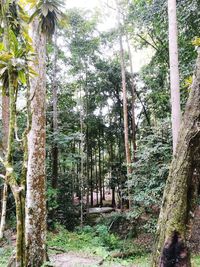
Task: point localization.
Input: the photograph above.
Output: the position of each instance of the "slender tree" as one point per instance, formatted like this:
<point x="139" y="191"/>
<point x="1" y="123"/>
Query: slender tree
<point x="55" y="116"/>
<point x="125" y="105"/>
<point x="5" y="131"/>
<point x="174" y="71"/>
<point x="133" y="95"/>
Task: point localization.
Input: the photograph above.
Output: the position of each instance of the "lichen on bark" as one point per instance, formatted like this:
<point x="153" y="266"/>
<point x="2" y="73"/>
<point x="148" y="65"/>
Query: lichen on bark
<point x="35" y="230"/>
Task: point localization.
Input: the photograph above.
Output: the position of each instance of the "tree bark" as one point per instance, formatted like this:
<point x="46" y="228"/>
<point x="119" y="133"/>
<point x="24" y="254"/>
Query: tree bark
<point x="132" y="100"/>
<point x="55" y="117"/>
<point x="91" y="179"/>
<point x="100" y="173"/>
<point x="36" y="177"/>
<point x="180" y="194"/>
<point x="5" y="131"/>
<point x="174" y="72"/>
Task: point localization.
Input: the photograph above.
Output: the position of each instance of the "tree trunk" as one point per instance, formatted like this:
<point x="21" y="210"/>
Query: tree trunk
<point x="125" y="113"/>
<point x="181" y="189"/>
<point x="174" y="72"/>
<point x="132" y="100"/>
<point x="5" y="131"/>
<point x="36" y="177"/>
<point x="87" y="169"/>
<point x="55" y="118"/>
<point x="3" y="210"/>
<point x="96" y="176"/>
<point x="100" y="174"/>
<point x="91" y="180"/>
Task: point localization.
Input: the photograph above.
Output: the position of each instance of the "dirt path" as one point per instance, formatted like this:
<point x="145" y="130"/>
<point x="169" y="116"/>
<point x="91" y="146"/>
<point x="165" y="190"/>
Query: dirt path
<point x="73" y="259"/>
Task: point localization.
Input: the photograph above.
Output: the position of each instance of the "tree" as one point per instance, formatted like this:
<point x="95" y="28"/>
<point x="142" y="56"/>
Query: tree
<point x="174" y="71"/>
<point x="5" y="132"/>
<point x="55" y="117"/>
<point x="125" y="105"/>
<point x="14" y="75"/>
<point x="43" y="25"/>
<point x="181" y="190"/>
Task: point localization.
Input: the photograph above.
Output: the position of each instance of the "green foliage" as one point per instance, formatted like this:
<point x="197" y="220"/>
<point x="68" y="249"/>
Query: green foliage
<point x="196" y="261"/>
<point x="48" y="13"/>
<point x="151" y="166"/>
<point x="95" y="241"/>
<point x="5" y="254"/>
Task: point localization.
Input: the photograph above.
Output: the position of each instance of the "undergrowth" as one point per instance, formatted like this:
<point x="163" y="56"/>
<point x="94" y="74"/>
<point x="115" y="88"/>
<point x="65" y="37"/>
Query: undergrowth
<point x="97" y="241"/>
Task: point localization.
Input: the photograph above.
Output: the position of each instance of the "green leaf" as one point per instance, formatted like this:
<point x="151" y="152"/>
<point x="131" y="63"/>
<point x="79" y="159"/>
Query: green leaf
<point x="1" y="47"/>
<point x="22" y="77"/>
<point x="44" y="10"/>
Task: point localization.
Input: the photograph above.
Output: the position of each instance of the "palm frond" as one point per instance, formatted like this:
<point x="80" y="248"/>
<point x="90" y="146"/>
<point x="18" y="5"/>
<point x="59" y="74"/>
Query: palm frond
<point x="48" y="12"/>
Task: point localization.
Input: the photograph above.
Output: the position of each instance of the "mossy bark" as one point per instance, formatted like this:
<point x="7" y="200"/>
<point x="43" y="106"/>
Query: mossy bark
<point x="180" y="194"/>
<point x="35" y="230"/>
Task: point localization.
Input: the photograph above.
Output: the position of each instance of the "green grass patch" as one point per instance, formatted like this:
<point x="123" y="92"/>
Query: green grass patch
<point x="196" y="261"/>
<point x="5" y="254"/>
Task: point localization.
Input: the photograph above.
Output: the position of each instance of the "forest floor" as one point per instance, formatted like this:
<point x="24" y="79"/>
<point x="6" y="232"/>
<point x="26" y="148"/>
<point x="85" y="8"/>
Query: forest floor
<point x="97" y="245"/>
<point x="79" y="249"/>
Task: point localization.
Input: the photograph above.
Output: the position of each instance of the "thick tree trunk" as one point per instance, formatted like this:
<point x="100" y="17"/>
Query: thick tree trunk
<point x="36" y="177"/>
<point x="174" y="72"/>
<point x="181" y="189"/>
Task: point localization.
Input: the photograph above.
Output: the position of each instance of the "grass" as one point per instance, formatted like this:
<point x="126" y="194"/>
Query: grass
<point x="5" y="254"/>
<point x="196" y="261"/>
<point x="97" y="242"/>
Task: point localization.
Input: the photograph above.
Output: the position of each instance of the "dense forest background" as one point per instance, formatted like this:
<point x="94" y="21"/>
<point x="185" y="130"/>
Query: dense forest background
<point x="108" y="121"/>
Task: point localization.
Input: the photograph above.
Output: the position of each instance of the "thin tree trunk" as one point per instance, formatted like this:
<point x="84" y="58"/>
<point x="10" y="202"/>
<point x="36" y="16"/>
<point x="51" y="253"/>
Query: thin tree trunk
<point x="103" y="180"/>
<point x="87" y="169"/>
<point x="55" y="117"/>
<point x="3" y="210"/>
<point x="91" y="180"/>
<point x="96" y="173"/>
<point x="181" y="189"/>
<point x="36" y="176"/>
<point x="82" y="159"/>
<point x="133" y="100"/>
<point x="5" y="130"/>
<point x="100" y="174"/>
<point x="112" y="182"/>
<point x="125" y="110"/>
<point x="174" y="72"/>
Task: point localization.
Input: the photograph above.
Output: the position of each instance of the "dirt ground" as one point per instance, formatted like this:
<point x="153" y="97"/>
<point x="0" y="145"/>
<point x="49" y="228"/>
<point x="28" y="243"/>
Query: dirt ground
<point x="72" y="259"/>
